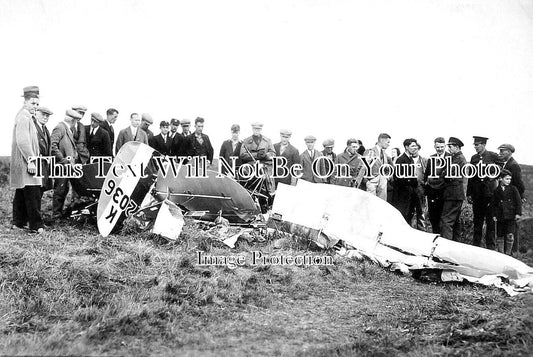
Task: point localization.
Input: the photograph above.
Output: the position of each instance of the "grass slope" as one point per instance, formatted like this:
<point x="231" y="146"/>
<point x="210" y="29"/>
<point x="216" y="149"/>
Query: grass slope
<point x="71" y="292"/>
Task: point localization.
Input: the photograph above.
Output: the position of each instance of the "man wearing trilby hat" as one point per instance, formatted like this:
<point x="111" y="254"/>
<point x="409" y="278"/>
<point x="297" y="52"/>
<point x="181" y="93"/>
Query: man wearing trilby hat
<point x="24" y="148"/>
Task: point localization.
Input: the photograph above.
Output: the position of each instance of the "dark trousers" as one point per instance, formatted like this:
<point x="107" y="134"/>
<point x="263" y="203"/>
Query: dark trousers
<point x="450" y="225"/>
<point x="27" y="207"/>
<point x="435" y="204"/>
<point x="420" y="209"/>
<point x="61" y="187"/>
<point x="483" y="214"/>
<point x="505" y="227"/>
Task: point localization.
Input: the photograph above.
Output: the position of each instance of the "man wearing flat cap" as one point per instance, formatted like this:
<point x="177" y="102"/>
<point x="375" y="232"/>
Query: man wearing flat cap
<point x="350" y="157"/>
<point x="453" y="193"/>
<point x="98" y="140"/>
<point x="174" y="125"/>
<point x="328" y="145"/>
<point x="78" y="133"/>
<point x="479" y="192"/>
<point x="63" y="148"/>
<point x="231" y="147"/>
<point x="290" y="153"/>
<point x="307" y="158"/>
<point x="131" y="133"/>
<point x="509" y="163"/>
<point x="162" y="141"/>
<point x="41" y="118"/>
<point x="177" y="146"/>
<point x="377" y="184"/>
<point x="24" y="148"/>
<point x="146" y="121"/>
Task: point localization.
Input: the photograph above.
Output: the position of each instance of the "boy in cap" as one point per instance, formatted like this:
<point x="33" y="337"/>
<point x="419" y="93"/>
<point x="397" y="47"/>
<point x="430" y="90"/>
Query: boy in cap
<point x="24" y="147"/>
<point x="479" y="192"/>
<point x="98" y="140"/>
<point x="307" y="158"/>
<point x="506" y="210"/>
<point x="453" y="193"/>
<point x="231" y="147"/>
<point x="289" y="152"/>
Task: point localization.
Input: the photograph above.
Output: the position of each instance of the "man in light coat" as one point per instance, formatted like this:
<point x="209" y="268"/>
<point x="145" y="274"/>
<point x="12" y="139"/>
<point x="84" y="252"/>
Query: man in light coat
<point x="132" y="133"/>
<point x="307" y="158"/>
<point x="24" y="149"/>
<point x="377" y="183"/>
<point x="63" y="148"/>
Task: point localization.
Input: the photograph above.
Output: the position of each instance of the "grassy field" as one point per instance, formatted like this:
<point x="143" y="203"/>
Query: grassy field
<point x="71" y="292"/>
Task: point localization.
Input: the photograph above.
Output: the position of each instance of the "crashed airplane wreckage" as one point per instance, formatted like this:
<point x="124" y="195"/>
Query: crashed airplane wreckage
<point x="363" y="225"/>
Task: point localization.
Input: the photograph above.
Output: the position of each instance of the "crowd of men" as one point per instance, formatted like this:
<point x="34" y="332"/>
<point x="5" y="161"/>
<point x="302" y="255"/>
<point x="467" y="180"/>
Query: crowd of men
<point x="439" y="196"/>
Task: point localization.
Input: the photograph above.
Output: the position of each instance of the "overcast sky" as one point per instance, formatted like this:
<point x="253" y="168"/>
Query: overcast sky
<point x="340" y="69"/>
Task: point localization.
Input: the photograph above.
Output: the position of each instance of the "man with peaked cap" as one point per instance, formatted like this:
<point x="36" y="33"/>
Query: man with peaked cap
<point x="24" y="148"/>
<point x="328" y="145"/>
<point x="98" y="141"/>
<point x="78" y="132"/>
<point x="434" y="186"/>
<point x="453" y="192"/>
<point x="377" y="184"/>
<point x="307" y="158"/>
<point x="185" y="127"/>
<point x="479" y="192"/>
<point x="132" y="133"/>
<point x="63" y="148"/>
<point x="162" y="141"/>
<point x="146" y="121"/>
<point x="350" y="157"/>
<point x="174" y="125"/>
<point x="41" y="118"/>
<point x="259" y="148"/>
<point x="107" y="125"/>
<point x="289" y="152"/>
<point x="509" y="163"/>
<point x="231" y="147"/>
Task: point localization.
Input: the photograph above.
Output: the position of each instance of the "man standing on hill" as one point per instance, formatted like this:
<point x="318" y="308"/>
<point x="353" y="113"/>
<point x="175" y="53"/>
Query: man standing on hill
<point x="63" y="148"/>
<point x="479" y="192"/>
<point x="24" y="150"/>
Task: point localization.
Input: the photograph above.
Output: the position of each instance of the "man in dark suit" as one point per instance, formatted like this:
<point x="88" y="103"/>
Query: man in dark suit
<point x="231" y="147"/>
<point x="434" y="186"/>
<point x="98" y="141"/>
<point x="405" y="198"/>
<point x="107" y="125"/>
<point x="162" y="141"/>
<point x="131" y="133"/>
<point x="198" y="144"/>
<point x="509" y="163"/>
<point x="176" y="147"/>
<point x="453" y="193"/>
<point x="41" y="118"/>
<point x="286" y="150"/>
<point x="479" y="192"/>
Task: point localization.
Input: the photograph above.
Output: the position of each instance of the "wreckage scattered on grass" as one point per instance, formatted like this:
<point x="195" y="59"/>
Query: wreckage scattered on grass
<point x="370" y="227"/>
<point x="363" y="225"/>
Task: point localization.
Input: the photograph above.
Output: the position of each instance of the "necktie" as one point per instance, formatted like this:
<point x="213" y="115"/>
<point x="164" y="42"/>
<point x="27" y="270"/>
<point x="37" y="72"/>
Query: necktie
<point x="382" y="157"/>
